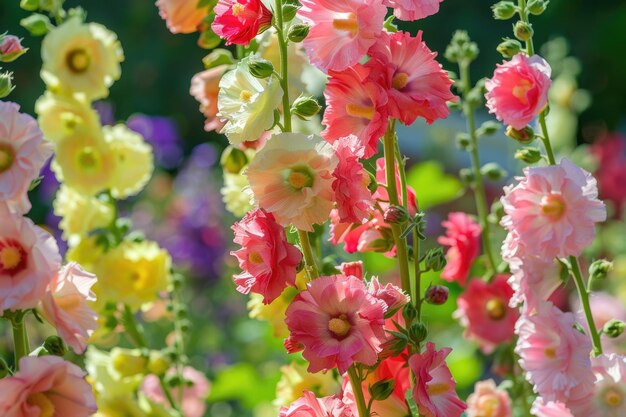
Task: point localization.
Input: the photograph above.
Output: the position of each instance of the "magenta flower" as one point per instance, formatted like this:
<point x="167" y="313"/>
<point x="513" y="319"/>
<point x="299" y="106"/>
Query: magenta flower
<point x="518" y="90"/>
<point x="413" y="9"/>
<point x="463" y="237"/>
<point x="239" y="21"/>
<point x="338" y="322"/>
<point x="268" y="261"/>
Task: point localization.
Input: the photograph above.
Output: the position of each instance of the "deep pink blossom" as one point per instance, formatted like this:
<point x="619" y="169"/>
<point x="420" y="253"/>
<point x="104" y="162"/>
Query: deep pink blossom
<point x="390" y="294"/>
<point x="610" y="151"/>
<point x="413" y="9"/>
<point x="239" y="21"/>
<point x="463" y="238"/>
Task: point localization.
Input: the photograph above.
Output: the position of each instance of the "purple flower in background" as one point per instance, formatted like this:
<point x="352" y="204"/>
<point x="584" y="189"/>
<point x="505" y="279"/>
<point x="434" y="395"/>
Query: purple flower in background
<point x="106" y="112"/>
<point x="162" y="133"/>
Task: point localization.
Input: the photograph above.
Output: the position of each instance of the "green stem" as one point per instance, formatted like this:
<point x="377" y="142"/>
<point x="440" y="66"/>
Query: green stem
<point x="530" y="48"/>
<point x="309" y="259"/>
<point x="402" y="169"/>
<point x="546" y="138"/>
<point x="20" y="337"/>
<point x="284" y="68"/>
<point x="479" y="187"/>
<point x="392" y="191"/>
<point x="357" y="388"/>
<point x="133" y="329"/>
<point x="416" y="296"/>
<point x="584" y="299"/>
<point x="168" y="393"/>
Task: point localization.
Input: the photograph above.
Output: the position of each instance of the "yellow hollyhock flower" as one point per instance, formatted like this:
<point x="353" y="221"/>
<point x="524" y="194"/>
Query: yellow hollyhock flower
<point x="295" y="379"/>
<point x="81" y="58"/>
<point x="80" y="213"/>
<point x="236" y="194"/>
<point x="60" y="115"/>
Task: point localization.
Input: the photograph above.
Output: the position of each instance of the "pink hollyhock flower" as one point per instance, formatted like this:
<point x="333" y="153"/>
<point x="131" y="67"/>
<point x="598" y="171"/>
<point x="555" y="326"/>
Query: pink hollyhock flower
<point x="390" y="294"/>
<point x="485" y="313"/>
<point x="268" y="261"/>
<point x="291" y="177"/>
<point x="610" y="151"/>
<point x="554" y="354"/>
<point x="341" y="31"/>
<point x="413" y="9"/>
<point x="337" y="322"/>
<point x="310" y="406"/>
<point x="239" y="21"/>
<point x="518" y="91"/>
<point x="10" y="48"/>
<point x="489" y="401"/>
<point x="463" y="237"/>
<point x="553" y="210"/>
<point x="416" y="83"/>
<point x="355" y="105"/>
<point x="533" y="282"/>
<point x="23" y="152"/>
<point x="541" y="408"/>
<point x="435" y="388"/>
<point x="354" y="199"/>
<point x="195" y="391"/>
<point x="29" y="259"/>
<point x="381" y="193"/>
<point x="204" y="87"/>
<point x="46" y="386"/>
<point x="181" y="16"/>
<point x="65" y="306"/>
<point x="354" y="269"/>
<point x="372" y="236"/>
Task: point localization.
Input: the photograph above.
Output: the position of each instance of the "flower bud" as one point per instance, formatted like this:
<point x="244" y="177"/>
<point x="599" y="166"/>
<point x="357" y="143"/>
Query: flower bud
<point x="218" y="57"/>
<point x="467" y="176"/>
<point x="508" y="48"/>
<point x="297" y="33"/>
<point x="158" y="363"/>
<point x="437" y="294"/>
<point x="128" y="362"/>
<point x="418" y="332"/>
<point x="55" y="346"/>
<point x="289" y="12"/>
<point x="208" y="39"/>
<point x="524" y="136"/>
<point x="614" y="328"/>
<point x="37" y="24"/>
<point x="463" y="141"/>
<point x="504" y="10"/>
<point x="528" y="154"/>
<point x="381" y="390"/>
<point x="488" y="128"/>
<point x="29" y="5"/>
<point x="233" y="160"/>
<point x="260" y="67"/>
<point x="497" y="212"/>
<point x="6" y="84"/>
<point x="11" y="48"/>
<point x="493" y="171"/>
<point x="395" y="215"/>
<point x="409" y="312"/>
<point x="435" y="259"/>
<point x="537" y="7"/>
<point x="599" y="269"/>
<point x="305" y="107"/>
<point x="523" y="31"/>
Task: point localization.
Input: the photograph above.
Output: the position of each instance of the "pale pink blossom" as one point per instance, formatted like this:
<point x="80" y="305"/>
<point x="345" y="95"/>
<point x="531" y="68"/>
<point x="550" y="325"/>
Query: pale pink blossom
<point x="29" y="259"/>
<point x="413" y="9"/>
<point x="553" y="210"/>
<point x="65" y="306"/>
<point x="435" y="388"/>
<point x="554" y="354"/>
<point x="416" y="83"/>
<point x="351" y="180"/>
<point x="239" y="21"/>
<point x="518" y="90"/>
<point x="485" y="313"/>
<point x="533" y="281"/>
<point x="181" y="16"/>
<point x="23" y="152"/>
<point x="195" y="391"/>
<point x="463" y="238"/>
<point x="310" y="406"/>
<point x="204" y="88"/>
<point x="487" y="400"/>
<point x="337" y="322"/>
<point x="341" y="31"/>
<point x="291" y="177"/>
<point x="46" y="386"/>
<point x="268" y="261"/>
<point x="390" y="294"/>
<point x="541" y="408"/>
<point x="355" y="105"/>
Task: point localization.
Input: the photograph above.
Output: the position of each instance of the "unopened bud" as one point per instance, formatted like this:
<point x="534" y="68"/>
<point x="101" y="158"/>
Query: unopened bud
<point x="418" y="332"/>
<point x="128" y="362"/>
<point x="435" y="259"/>
<point x="537" y="7"/>
<point x="218" y="57"/>
<point x="305" y="107"/>
<point x="54" y="345"/>
<point x="29" y="5"/>
<point x="289" y="12"/>
<point x="260" y="67"/>
<point x="528" y="154"/>
<point x="523" y="136"/>
<point x="6" y="83"/>
<point x="297" y="33"/>
<point x="208" y="39"/>
<point x="11" y="48"/>
<point x="381" y="390"/>
<point x="409" y="312"/>
<point x="158" y="363"/>
<point x="504" y="10"/>
<point x="233" y="160"/>
<point x="614" y="328"/>
<point x="493" y="171"/>
<point x="508" y="48"/>
<point x="523" y="31"/>
<point x="467" y="176"/>
<point x="463" y="141"/>
<point x="437" y="294"/>
<point x="497" y="212"/>
<point x="395" y="215"/>
<point x="37" y="24"/>
<point x="488" y="128"/>
<point x="599" y="269"/>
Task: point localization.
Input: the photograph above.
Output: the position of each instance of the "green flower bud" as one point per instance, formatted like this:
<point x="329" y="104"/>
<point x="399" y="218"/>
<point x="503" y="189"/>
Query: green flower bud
<point x="158" y="363"/>
<point x="289" y="12"/>
<point x="488" y="128"/>
<point x="599" y="269"/>
<point x="524" y="136"/>
<point x="463" y="141"/>
<point x="523" y="31"/>
<point x="233" y="160"/>
<point x="54" y="345"/>
<point x="537" y="7"/>
<point x="435" y="259"/>
<point x="128" y="362"/>
<point x="297" y="33"/>
<point x="305" y="107"/>
<point x="381" y="390"/>
<point x="493" y="171"/>
<point x="409" y="313"/>
<point x="30" y="5"/>
<point x="528" y="154"/>
<point x="209" y="40"/>
<point x="395" y="215"/>
<point x="260" y="67"/>
<point x="218" y="57"/>
<point x="37" y="24"/>
<point x="467" y="176"/>
<point x="497" y="212"/>
<point x="6" y="84"/>
<point x="614" y="328"/>
<point x="508" y="48"/>
<point x="504" y="10"/>
<point x="418" y="332"/>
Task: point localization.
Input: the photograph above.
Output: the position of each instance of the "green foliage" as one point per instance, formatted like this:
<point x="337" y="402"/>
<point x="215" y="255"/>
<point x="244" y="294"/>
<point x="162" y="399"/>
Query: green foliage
<point x="432" y="185"/>
<point x="243" y="382"/>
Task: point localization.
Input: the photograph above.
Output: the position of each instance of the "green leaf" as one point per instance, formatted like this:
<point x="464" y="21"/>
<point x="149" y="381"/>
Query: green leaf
<point x="242" y="382"/>
<point x="432" y="185"/>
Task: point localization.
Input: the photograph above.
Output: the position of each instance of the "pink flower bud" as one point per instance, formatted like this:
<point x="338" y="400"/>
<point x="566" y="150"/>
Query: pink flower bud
<point x="437" y="294"/>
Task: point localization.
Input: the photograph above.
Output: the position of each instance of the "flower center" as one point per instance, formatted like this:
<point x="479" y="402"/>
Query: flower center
<point x="13" y="257"/>
<point x="255" y="258"/>
<point x="400" y="80"/>
<point x="358" y="110"/>
<point x="496" y="310"/>
<point x="613" y="398"/>
<point x="238" y="9"/>
<point x="299" y="178"/>
<point x="44" y="404"/>
<point x="245" y="96"/>
<point x="140" y="278"/>
<point x="550" y="352"/>
<point x="520" y="91"/>
<point x="77" y="60"/>
<point x="347" y="23"/>
<point x="88" y="158"/>
<point x="488" y="407"/>
<point x="340" y="326"/>
<point x="553" y="206"/>
<point x="437" y="388"/>
<point x="7" y="156"/>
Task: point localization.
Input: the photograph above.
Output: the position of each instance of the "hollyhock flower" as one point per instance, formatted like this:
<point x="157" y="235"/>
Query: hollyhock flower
<point x="65" y="306"/>
<point x="463" y="237"/>
<point x="81" y="58"/>
<point x="381" y="193"/>
<point x="416" y="83"/>
<point x="435" y="388"/>
<point x="485" y="313"/>
<point x="295" y="380"/>
<point x="413" y="9"/>
<point x="610" y="151"/>
<point x="11" y="48"/>
<point x="337" y="322"/>
<point x="80" y="214"/>
<point x="541" y="408"/>
<point x="195" y="391"/>
<point x="352" y="268"/>
<point x="605" y="307"/>
<point x="518" y="90"/>
<point x="247" y="104"/>
<point x="341" y="32"/>
<point x="181" y="16"/>
<point x="355" y="105"/>
<point x="351" y="180"/>
<point x="236" y="194"/>
<point x="554" y="354"/>
<point x="29" y="258"/>
<point x="311" y="406"/>
<point x="239" y="21"/>
<point x="533" y="281"/>
<point x="489" y="401"/>
<point x="46" y="386"/>
<point x="553" y="210"/>
<point x="372" y="236"/>
<point x="291" y="177"/>
<point x="268" y="261"/>
<point x="23" y="153"/>
<point x="390" y="294"/>
<point x="59" y="115"/>
<point x="205" y="87"/>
